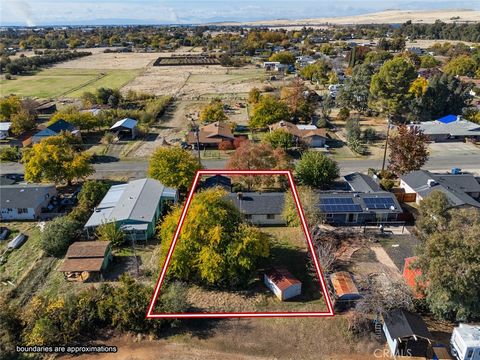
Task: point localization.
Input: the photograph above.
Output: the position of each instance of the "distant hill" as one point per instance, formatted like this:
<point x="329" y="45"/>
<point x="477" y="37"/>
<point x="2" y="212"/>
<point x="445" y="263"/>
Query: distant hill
<point x="383" y="17"/>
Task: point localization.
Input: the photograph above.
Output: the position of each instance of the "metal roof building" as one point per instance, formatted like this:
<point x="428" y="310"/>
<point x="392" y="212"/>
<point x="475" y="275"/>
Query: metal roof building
<point x="136" y="206"/>
<point x="127" y="124"/>
<point x="361" y="183"/>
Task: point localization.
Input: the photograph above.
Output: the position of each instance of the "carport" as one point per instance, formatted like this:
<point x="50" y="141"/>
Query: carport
<point x="126" y="125"/>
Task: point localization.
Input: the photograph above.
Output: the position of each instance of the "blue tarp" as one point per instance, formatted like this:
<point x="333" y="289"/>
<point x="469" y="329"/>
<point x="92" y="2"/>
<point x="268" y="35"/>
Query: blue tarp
<point x="448" y="119"/>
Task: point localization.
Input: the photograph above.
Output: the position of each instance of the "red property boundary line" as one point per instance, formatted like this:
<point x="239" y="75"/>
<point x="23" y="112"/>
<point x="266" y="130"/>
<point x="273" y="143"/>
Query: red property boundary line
<point x="151" y="313"/>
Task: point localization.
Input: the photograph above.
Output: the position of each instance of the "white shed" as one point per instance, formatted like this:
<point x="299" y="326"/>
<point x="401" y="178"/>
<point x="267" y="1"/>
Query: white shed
<point x="282" y="283"/>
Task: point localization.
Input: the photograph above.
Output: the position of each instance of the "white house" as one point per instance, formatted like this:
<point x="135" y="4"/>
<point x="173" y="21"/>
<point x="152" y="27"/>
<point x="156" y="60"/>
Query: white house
<point x="25" y="201"/>
<point x="465" y="342"/>
<point x="282" y="283"/>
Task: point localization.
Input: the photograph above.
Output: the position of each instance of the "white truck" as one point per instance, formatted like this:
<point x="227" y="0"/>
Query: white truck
<point x="465" y="342"/>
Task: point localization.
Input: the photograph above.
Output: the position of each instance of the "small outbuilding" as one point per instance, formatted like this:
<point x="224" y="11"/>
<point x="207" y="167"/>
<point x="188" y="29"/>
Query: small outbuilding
<point x="86" y="260"/>
<point x="126" y="125"/>
<point x="407" y="334"/>
<point x="282" y="283"/>
<point x="345" y="290"/>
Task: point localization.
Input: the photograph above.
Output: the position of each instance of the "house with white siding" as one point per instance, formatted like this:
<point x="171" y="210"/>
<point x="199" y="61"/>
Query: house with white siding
<point x="25" y="201"/>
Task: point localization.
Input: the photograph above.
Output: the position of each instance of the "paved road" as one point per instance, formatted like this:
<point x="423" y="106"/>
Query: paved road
<point x="439" y="161"/>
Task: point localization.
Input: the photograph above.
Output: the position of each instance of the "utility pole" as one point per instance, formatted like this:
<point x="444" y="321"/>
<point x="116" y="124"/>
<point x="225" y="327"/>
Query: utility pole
<point x="196" y="130"/>
<point x="386" y="143"/>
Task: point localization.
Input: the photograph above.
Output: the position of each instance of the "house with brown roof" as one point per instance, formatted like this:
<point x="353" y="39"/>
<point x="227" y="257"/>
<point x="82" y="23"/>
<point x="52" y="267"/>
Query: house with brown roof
<point x="211" y="135"/>
<point x="282" y="283"/>
<point x="86" y="260"/>
<point x="308" y="134"/>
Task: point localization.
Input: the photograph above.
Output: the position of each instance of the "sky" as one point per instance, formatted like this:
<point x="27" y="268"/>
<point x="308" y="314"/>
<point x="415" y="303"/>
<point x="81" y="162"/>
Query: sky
<point x="77" y="12"/>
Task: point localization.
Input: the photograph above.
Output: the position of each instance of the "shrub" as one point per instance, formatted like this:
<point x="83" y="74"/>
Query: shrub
<point x="112" y="233"/>
<point x="10" y="153"/>
<point x="226" y="145"/>
<point x="343" y="114"/>
<point x="58" y="235"/>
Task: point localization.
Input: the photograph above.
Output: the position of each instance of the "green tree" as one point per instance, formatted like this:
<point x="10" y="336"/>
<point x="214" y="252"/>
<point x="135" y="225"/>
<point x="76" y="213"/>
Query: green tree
<point x="389" y="88"/>
<point x="428" y="62"/>
<point x="54" y="159"/>
<point x="284" y="57"/>
<point x="213" y="112"/>
<point x="83" y="120"/>
<point x="58" y="234"/>
<point x="22" y="121"/>
<point x="279" y="138"/>
<point x="92" y="193"/>
<point x="355" y="94"/>
<point x="444" y="94"/>
<point x="309" y="202"/>
<point x="9" y="106"/>
<point x="433" y="213"/>
<point x="10" y="153"/>
<point x="316" y="72"/>
<point x="215" y="247"/>
<point x="462" y="65"/>
<point x="316" y="170"/>
<point x="112" y="233"/>
<point x="254" y="96"/>
<point x="268" y="111"/>
<point x="173" y="167"/>
<point x="408" y="150"/>
<point x="449" y="262"/>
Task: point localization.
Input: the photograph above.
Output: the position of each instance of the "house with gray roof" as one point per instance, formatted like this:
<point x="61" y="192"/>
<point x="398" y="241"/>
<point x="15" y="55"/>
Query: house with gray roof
<point x="359" y="208"/>
<point x="25" y="201"/>
<point x="361" y="183"/>
<point x="450" y="128"/>
<point x="135" y="206"/>
<point x="462" y="190"/>
<point x="260" y="208"/>
<point x="56" y="129"/>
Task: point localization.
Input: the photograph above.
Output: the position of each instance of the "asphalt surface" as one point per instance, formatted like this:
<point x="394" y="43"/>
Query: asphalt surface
<point x="439" y="161"/>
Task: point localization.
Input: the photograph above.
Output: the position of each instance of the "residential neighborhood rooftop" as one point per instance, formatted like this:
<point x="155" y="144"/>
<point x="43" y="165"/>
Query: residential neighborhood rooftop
<point x="257" y="203"/>
<point x="361" y="183"/>
<point x="136" y="200"/>
<point x="457" y="187"/>
<point x="23" y="195"/>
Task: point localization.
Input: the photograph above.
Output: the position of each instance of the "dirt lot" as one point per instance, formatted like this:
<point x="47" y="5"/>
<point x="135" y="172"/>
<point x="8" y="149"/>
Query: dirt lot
<point x="192" y="82"/>
<point x="300" y="338"/>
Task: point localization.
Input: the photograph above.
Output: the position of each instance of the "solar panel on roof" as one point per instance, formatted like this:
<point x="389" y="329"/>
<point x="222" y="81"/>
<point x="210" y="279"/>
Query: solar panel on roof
<point x="379" y="203"/>
<point x="340" y="208"/>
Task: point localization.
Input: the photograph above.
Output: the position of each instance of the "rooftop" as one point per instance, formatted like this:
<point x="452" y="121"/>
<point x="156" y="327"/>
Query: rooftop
<point x="300" y="131"/>
<point x="456" y="186"/>
<point x="470" y="334"/>
<point x="343" y="284"/>
<point x="213" y="133"/>
<point x="449" y="126"/>
<point x="24" y="195"/>
<point x="126" y="123"/>
<point x="361" y="183"/>
<point x="138" y="200"/>
<point x="404" y="324"/>
<point x="87" y="249"/>
<point x="348" y="202"/>
<point x="282" y="278"/>
<point x="258" y="203"/>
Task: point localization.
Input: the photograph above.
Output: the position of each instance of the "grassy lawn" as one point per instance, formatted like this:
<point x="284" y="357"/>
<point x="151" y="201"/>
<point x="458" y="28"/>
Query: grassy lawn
<point x="69" y="82"/>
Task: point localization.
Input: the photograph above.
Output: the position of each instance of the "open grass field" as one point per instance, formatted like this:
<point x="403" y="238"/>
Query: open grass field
<point x="58" y="82"/>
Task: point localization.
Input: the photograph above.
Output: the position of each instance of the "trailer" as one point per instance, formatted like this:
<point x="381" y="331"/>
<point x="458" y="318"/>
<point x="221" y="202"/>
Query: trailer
<point x="17" y="242"/>
<point x="465" y="342"/>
